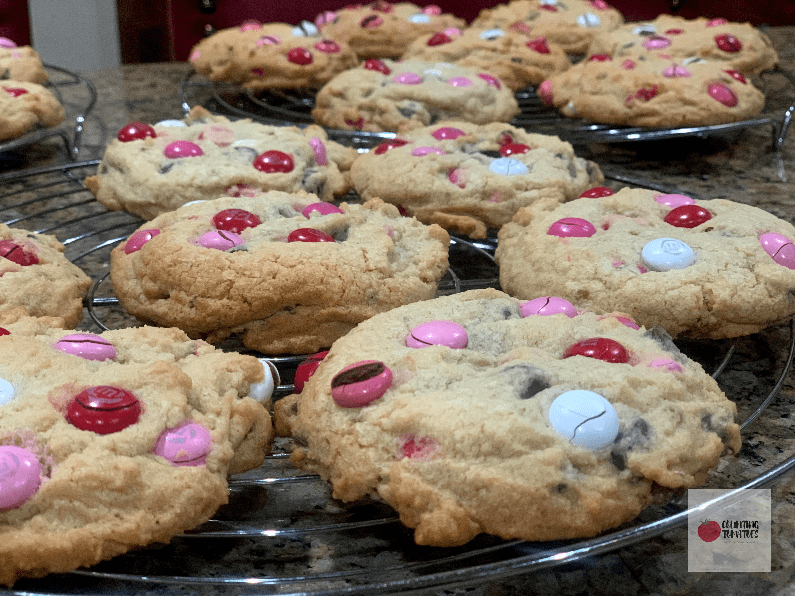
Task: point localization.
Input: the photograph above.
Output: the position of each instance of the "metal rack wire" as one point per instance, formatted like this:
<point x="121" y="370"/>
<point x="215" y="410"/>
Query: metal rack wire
<point x="281" y="533"/>
<point x="78" y="96"/>
<point x="292" y="107"/>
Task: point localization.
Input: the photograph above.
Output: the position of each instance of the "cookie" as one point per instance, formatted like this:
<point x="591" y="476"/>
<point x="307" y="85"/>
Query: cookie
<point x="20" y="63"/>
<point x="469" y="413"/>
<point x="26" y="106"/>
<point x="150" y="170"/>
<point x="109" y="442"/>
<point x="653" y="90"/>
<point x="288" y="273"/>
<point x="569" y="23"/>
<point x="737" y="46"/>
<point x="468" y="177"/>
<point x="383" y="29"/>
<point x="37" y="280"/>
<point x="705" y="269"/>
<point x="382" y="95"/>
<point x="517" y="59"/>
<point x="271" y="56"/>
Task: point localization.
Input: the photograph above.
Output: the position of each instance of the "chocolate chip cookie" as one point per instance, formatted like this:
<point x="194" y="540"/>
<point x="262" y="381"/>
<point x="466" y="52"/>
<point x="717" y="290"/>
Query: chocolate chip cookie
<point x="148" y="170"/>
<point x="700" y="268"/>
<point x="109" y="442"/>
<point x="287" y="272"/>
<point x="475" y="413"/>
<point x="468" y="177"/>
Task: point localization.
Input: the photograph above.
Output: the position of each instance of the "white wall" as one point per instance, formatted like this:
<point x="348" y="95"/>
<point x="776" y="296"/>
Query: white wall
<point x="76" y="34"/>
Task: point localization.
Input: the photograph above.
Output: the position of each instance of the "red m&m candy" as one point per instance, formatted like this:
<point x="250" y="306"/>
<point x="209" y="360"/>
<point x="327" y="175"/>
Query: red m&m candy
<point x="104" y="409"/>
<point x="600" y="348"/>
<point x="687" y="216"/>
<point x="387" y="145"/>
<point x="235" y="220"/>
<point x="596" y="192"/>
<point x="377" y="65"/>
<point x="306" y="369"/>
<point x="14" y="252"/>
<point x="308" y="235"/>
<point x="274" y="161"/>
<point x="135" y="131"/>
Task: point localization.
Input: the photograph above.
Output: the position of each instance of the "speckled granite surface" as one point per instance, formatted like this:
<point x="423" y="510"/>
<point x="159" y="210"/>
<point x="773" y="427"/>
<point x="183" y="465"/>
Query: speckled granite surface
<point x="745" y="167"/>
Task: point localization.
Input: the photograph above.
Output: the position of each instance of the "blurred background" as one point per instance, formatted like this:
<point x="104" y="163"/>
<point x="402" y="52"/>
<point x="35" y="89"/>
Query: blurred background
<point x="88" y="34"/>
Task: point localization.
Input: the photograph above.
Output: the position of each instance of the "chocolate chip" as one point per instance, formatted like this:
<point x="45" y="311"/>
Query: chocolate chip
<point x="340" y="235"/>
<point x="491" y="153"/>
<point x="244" y="154"/>
<point x="507" y="313"/>
<point x="572" y="170"/>
<point x="357" y="374"/>
<point x="527" y="380"/>
<point x="166" y="168"/>
<point x="619" y="459"/>
<point x="560" y="488"/>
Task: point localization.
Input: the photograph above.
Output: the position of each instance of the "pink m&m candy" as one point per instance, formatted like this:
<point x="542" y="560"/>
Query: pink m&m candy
<point x="667" y="364"/>
<point x="235" y="220"/>
<point x="780" y="248"/>
<point x="17" y="254"/>
<point x="596" y="192"/>
<point x="221" y="136"/>
<point x="274" y="161"/>
<point x="438" y="333"/>
<point x="250" y="25"/>
<point x="321" y="207"/>
<point x="319" y="148"/>
<point x="546" y="306"/>
<point x="308" y="235"/>
<point x="371" y="22"/>
<point x="572" y="227"/>
<point x="186" y="445"/>
<point x="723" y="94"/>
<point x="135" y="131"/>
<point x="600" y="348"/>
<point x="103" y="409"/>
<point x="459" y="82"/>
<point x="179" y="149"/>
<point x="687" y="216"/>
<point x="545" y="92"/>
<point x="656" y="42"/>
<point x="20" y="476"/>
<point x="422" y="151"/>
<point x="408" y="78"/>
<point x="675" y="70"/>
<point x="327" y="46"/>
<point x="447" y="132"/>
<point x="138" y="239"/>
<point x="627" y="322"/>
<point x="86" y="345"/>
<point x="360" y="383"/>
<point x="219" y="240"/>
<point x="7" y="43"/>
<point x="306" y="369"/>
<point x="673" y="200"/>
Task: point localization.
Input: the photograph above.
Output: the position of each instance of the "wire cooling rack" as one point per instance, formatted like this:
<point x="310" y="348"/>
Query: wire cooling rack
<point x="281" y="533"/>
<point x="78" y="96"/>
<point x="295" y="107"/>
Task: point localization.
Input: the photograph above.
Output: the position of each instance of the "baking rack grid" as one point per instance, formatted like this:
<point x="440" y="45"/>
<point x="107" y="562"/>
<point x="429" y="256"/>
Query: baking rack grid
<point x="281" y="532"/>
<point x="285" y="106"/>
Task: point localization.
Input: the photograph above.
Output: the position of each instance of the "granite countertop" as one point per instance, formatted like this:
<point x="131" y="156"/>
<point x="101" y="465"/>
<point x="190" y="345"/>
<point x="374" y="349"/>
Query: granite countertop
<point x="744" y="166"/>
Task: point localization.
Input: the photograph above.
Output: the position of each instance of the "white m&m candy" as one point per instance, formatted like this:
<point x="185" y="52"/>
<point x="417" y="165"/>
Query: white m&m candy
<point x="585" y="418"/>
<point x="665" y="254"/>
<point x="263" y="390"/>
